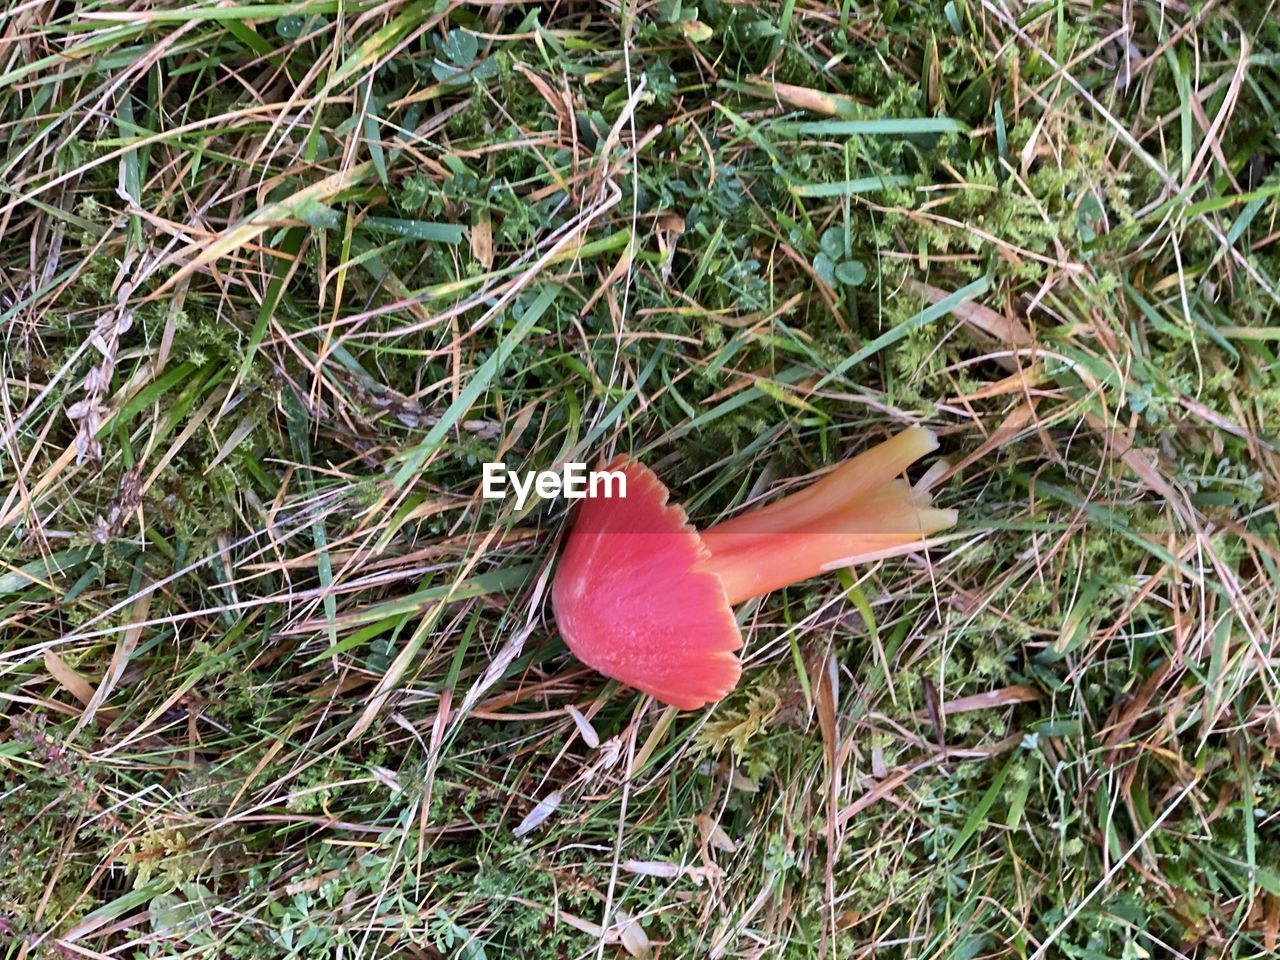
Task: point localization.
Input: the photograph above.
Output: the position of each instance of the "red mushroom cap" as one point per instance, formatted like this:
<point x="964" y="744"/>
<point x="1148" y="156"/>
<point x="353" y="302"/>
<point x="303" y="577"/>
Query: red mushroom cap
<point x="630" y="605"/>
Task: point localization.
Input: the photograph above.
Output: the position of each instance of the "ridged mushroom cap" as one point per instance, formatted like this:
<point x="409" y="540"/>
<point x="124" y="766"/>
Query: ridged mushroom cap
<point x="630" y="605"/>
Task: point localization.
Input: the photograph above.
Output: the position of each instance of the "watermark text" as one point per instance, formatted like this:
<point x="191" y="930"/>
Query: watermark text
<point x="572" y="482"/>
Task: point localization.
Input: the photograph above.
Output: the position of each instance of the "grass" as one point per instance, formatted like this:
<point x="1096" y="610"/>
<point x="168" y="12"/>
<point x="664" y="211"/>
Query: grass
<point x="278" y="278"/>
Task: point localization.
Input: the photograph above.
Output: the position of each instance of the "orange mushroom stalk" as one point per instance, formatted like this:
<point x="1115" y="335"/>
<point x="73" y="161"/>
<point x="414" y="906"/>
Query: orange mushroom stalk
<point x="644" y="598"/>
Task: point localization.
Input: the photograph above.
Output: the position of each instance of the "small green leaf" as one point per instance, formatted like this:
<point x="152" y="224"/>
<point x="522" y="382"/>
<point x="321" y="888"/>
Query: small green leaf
<point x="290" y="27"/>
<point x="461" y="47"/>
<point x="319" y="215"/>
<point x="825" y="268"/>
<point x="457" y="52"/>
<point x="851" y="272"/>
<point x="696" y="30"/>
<point x="953" y="18"/>
<point x="1056" y="727"/>
<point x="832" y="243"/>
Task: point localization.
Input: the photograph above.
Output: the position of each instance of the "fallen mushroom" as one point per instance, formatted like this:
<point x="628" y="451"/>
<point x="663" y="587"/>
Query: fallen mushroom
<point x="643" y="598"/>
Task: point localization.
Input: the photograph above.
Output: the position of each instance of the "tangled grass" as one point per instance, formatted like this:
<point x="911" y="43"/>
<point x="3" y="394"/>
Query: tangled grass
<point x="277" y="279"/>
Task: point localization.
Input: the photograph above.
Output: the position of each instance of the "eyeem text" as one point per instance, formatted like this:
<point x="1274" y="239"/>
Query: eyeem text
<point x="573" y="482"/>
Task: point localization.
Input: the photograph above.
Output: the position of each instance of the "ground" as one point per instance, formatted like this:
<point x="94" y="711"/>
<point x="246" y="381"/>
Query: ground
<point x="276" y="280"/>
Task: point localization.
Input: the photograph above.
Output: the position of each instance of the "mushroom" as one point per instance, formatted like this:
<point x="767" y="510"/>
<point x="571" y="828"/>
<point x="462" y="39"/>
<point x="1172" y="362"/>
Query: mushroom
<point x="641" y="596"/>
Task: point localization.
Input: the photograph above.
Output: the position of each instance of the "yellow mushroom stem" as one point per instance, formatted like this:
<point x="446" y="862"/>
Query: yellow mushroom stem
<point x="863" y="510"/>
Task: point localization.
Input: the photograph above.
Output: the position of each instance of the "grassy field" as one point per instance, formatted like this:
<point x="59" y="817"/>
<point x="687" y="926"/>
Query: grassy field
<point x="276" y="279"/>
